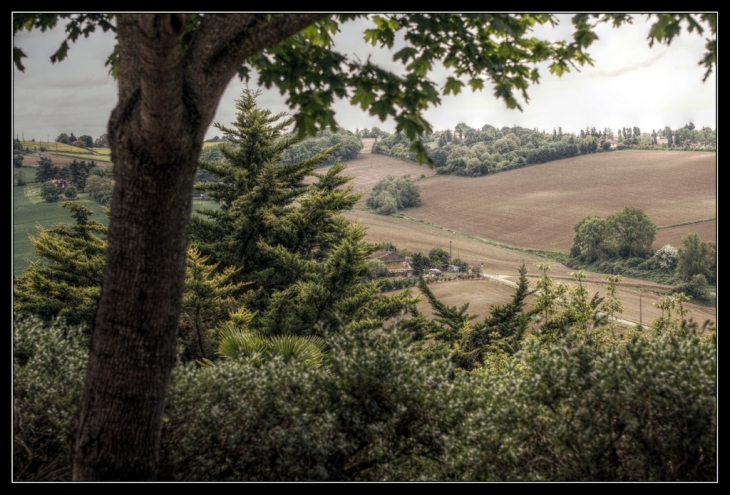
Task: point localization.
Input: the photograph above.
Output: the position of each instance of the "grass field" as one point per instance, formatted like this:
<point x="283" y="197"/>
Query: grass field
<point x="538" y="206"/>
<point x="29" y="210"/>
<point x="54" y="146"/>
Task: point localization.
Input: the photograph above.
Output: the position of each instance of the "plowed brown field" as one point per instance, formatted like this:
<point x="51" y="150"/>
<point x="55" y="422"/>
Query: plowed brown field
<point x="706" y="230"/>
<point x="368" y="169"/>
<point x="538" y="206"/>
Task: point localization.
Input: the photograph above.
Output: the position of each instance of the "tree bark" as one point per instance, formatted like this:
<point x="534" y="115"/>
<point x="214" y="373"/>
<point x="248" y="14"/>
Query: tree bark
<point x="167" y="99"/>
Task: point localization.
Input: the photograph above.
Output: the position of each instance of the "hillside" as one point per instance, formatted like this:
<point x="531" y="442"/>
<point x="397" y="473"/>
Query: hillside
<point x="537" y="207"/>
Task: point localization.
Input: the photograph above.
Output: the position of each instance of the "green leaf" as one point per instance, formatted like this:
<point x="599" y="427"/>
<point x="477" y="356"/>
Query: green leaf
<point x="363" y="97"/>
<point x="453" y="86"/>
<point x="404" y="54"/>
<point x="61" y="53"/>
<point x="18" y="56"/>
<point x="476" y="84"/>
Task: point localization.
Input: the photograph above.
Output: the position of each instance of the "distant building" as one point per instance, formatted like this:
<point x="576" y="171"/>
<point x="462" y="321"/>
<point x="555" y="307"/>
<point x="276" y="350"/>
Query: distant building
<point x="397" y="264"/>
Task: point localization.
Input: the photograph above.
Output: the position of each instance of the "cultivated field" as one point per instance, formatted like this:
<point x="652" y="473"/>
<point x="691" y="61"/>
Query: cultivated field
<point x="538" y="206"/>
<point x="481" y="294"/>
<point x="706" y="230"/>
<point x="368" y="169"/>
<point x="65" y="159"/>
<point x="534" y="197"/>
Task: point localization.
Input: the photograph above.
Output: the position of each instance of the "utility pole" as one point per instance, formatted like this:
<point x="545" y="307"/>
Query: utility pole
<point x="641" y="321"/>
<point x="449" y="252"/>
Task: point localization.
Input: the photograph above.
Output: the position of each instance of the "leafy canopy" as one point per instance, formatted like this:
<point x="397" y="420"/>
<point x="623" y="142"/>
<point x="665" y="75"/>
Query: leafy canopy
<point x="478" y="48"/>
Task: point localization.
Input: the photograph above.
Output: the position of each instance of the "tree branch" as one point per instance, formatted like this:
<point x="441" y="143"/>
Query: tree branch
<point x="223" y="42"/>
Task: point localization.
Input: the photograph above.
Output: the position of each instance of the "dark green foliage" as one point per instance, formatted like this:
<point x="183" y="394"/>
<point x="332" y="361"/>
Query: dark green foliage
<point x="19" y="177"/>
<point x="438" y="258"/>
<point x="449" y="320"/>
<point x="696" y="288"/>
<point x="394" y="193"/>
<point x="17" y="161"/>
<point x="372" y="412"/>
<point x="634" y="233"/>
<point x="506" y="324"/>
<point x="305" y="263"/>
<point x="642" y="408"/>
<point x="70" y="192"/>
<point x="346" y="147"/>
<point x="79" y="171"/>
<point x="46" y="170"/>
<point x="628" y="234"/>
<point x="467" y="343"/>
<point x="49" y="363"/>
<point x="88" y="140"/>
<point x="420" y="263"/>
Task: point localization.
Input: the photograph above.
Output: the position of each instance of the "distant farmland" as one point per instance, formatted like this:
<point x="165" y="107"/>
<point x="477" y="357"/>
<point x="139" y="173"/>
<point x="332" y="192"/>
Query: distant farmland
<point x="367" y="169"/>
<point x="538" y="206"/>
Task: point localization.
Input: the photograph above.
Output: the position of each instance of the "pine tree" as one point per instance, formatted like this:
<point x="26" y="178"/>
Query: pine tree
<point x="305" y="263"/>
<point x="208" y="300"/>
<point x="66" y="281"/>
<point x="510" y="321"/>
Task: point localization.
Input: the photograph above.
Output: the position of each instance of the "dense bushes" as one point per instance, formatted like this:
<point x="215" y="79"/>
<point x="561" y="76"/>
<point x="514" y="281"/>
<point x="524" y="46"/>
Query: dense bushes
<point x="348" y="144"/>
<point x="394" y="193"/>
<point x="474" y="152"/>
<point x="582" y="407"/>
<point x="49" y="365"/>
<point x="628" y="234"/>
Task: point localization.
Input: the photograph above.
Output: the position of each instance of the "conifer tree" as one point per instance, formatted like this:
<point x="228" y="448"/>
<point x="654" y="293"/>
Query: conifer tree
<point x="66" y="280"/>
<point x="305" y="263"/>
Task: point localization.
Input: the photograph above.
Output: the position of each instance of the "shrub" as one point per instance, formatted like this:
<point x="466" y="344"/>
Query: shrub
<point x="50" y="192"/>
<point x="394" y="193"/>
<point x="49" y="363"/>
<point x="19" y="178"/>
<point x="70" y="192"/>
<point x="373" y="412"/>
<point x="640" y="408"/>
<point x="696" y="257"/>
<point x="695" y="288"/>
<point x="666" y="257"/>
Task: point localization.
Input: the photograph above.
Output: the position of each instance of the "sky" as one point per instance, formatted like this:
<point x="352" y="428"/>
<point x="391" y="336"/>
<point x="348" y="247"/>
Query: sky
<point x="629" y="85"/>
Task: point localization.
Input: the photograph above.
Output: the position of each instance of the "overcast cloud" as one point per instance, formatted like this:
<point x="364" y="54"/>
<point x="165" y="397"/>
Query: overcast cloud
<point x="630" y="85"/>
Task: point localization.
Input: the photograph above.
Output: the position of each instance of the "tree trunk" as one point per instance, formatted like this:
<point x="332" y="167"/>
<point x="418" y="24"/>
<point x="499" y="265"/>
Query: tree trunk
<point x="155" y="137"/>
<point x="167" y="100"/>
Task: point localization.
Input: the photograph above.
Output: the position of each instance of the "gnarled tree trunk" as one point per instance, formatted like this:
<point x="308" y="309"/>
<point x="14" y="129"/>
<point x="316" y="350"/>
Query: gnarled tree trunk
<point x="167" y="99"/>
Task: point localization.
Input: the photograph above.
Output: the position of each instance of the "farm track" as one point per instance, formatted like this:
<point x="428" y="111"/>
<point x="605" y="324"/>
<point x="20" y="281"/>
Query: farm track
<point x="501" y="258"/>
